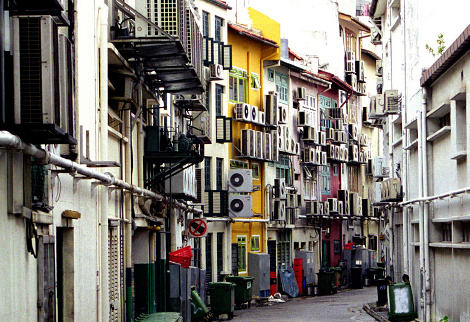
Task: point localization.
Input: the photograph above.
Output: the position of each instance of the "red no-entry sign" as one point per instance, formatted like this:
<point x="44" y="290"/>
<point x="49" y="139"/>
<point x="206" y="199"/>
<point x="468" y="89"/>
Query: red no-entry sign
<point x="197" y="227"/>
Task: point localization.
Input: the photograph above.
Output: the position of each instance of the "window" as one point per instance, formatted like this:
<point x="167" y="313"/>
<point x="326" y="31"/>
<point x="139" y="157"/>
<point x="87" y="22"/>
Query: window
<point x="241" y="241"/>
<point x="326" y="184"/>
<point x="219" y="22"/>
<point x="283" y="168"/>
<point x="466" y="232"/>
<point x="282" y="87"/>
<point x="207" y="173"/>
<point x="237" y="86"/>
<point x="255" y="83"/>
<point x="325" y="102"/>
<point x="335" y="170"/>
<point x="255" y="170"/>
<point x="219" y="172"/>
<point x="208" y="96"/>
<point x="447" y="232"/>
<point x="351" y="41"/>
<point x="270" y="75"/>
<point x="255" y="243"/>
<point x="220" y="255"/>
<point x="219" y="90"/>
<point x="197" y="253"/>
<point x="205" y="24"/>
<point x="283" y="248"/>
<point x="209" y="258"/>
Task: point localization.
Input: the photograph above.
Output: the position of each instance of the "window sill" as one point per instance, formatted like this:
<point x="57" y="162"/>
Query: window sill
<point x="438" y="134"/>
<point x="450" y="245"/>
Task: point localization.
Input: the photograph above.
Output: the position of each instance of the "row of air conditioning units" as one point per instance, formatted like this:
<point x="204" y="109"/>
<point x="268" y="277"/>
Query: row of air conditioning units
<point x="364" y="139"/>
<point x="315" y="156"/>
<point x="286" y="142"/>
<point x="384" y="104"/>
<point x="259" y="145"/>
<point x="338" y="153"/>
<point x="240" y="183"/>
<point x="311" y="135"/>
<point x="249" y="113"/>
<point x="377" y="167"/>
<point x="280" y="196"/>
<point x="353" y="206"/>
<point x="354" y="66"/>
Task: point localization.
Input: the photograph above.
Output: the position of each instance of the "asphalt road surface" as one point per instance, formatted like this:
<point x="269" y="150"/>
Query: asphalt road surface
<point x="346" y="305"/>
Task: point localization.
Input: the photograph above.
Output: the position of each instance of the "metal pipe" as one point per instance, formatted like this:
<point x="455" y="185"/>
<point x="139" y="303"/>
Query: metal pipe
<point x="8" y="140"/>
<point x="103" y="139"/>
<point x="427" y="279"/>
<point x="250" y="220"/>
<point x="420" y="209"/>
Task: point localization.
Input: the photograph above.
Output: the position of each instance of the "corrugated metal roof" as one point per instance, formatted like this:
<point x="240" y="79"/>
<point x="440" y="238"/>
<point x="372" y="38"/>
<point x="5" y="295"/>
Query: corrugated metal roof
<point x="458" y="48"/>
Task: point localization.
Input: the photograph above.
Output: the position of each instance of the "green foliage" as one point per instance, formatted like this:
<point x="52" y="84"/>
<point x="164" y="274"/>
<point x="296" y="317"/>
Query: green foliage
<point x="445" y="319"/>
<point x="440" y="46"/>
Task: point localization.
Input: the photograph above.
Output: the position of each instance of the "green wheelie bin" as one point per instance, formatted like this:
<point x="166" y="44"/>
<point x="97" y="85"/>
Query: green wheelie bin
<point x="199" y="311"/>
<point x="222" y="296"/>
<point x="243" y="290"/>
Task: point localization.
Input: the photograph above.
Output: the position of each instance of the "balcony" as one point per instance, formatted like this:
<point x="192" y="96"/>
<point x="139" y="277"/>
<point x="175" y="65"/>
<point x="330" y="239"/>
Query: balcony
<point x="167" y="153"/>
<point x="166" y="46"/>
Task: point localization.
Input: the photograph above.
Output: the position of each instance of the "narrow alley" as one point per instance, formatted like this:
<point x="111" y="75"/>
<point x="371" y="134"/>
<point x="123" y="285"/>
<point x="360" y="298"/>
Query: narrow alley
<point x="346" y="305"/>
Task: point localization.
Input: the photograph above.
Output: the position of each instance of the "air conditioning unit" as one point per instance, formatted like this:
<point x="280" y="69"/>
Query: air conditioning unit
<point x="332" y="204"/>
<point x="379" y="169"/>
<point x="240" y="206"/>
<point x="338" y="125"/>
<point x="297" y="148"/>
<point x="352" y="80"/>
<point x="384" y="190"/>
<point x="337" y="152"/>
<point x="350" y="55"/>
<point x="345" y="157"/>
<point x="378" y="68"/>
<point x="275" y="146"/>
<point x="318" y="157"/>
<point x="254" y="114"/>
<point x="343" y="195"/>
<point x="394" y="189"/>
<point x="301" y="93"/>
<point x="341" y="136"/>
<point x="340" y="207"/>
<point x="188" y="97"/>
<point x="242" y="112"/>
<point x="380" y="106"/>
<point x="279" y="213"/>
<point x="37" y="79"/>
<point x="291" y="200"/>
<point x="283" y="114"/>
<point x="261" y="118"/>
<point x="322" y="136"/>
<point x="353" y="132"/>
<point x="365" y="207"/>
<point x="360" y="70"/>
<point x="350" y="66"/>
<point x="271" y="108"/>
<point x="331" y="152"/>
<point x="268" y="146"/>
<point x="326" y="208"/>
<point x="392" y="102"/>
<point x="353" y="153"/>
<point x="362" y="88"/>
<point x="290" y="145"/>
<point x="305" y="118"/>
<point x="240" y="180"/>
<point x="248" y="143"/>
<point x="259" y="145"/>
<point x="280" y="191"/>
<point x="380" y="84"/>
<point x="310" y="134"/>
<point x="309" y="155"/>
<point x="183" y="184"/>
<point x="281" y="139"/>
<point x="361" y="157"/>
<point x="355" y="203"/>
<point x="330" y="134"/>
<point x="323" y="158"/>
<point x="216" y="72"/>
<point x="375" y="192"/>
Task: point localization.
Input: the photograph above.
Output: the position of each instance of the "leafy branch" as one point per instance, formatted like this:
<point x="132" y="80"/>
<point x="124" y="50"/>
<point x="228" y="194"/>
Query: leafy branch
<point x="440" y="46"/>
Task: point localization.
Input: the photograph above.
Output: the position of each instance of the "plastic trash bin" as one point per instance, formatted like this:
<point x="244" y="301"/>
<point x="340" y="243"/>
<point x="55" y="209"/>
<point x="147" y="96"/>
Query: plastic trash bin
<point x="400" y="303"/>
<point x="335" y="278"/>
<point x="222" y="296"/>
<point x="199" y="311"/>
<point x="356" y="277"/>
<point x="243" y="289"/>
<point x="381" y="291"/>
<point x="325" y="281"/>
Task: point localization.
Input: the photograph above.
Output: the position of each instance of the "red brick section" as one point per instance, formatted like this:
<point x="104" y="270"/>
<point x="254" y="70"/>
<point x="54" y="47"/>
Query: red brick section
<point x="455" y="51"/>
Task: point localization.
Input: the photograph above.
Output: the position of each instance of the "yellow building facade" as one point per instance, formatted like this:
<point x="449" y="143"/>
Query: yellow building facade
<point x="251" y="46"/>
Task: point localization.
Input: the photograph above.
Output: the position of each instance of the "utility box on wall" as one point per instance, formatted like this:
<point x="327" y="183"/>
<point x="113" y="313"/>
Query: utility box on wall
<point x="258" y="268"/>
<point x="308" y="260"/>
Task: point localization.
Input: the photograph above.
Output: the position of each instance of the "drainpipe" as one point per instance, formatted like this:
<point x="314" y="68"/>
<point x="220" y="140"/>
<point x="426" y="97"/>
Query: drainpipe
<point x="427" y="281"/>
<point x="103" y="101"/>
<point x="420" y="208"/>
<point x="128" y="215"/>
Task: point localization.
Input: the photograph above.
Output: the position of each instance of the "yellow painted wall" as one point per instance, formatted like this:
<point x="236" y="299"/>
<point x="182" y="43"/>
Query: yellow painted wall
<point x="270" y="29"/>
